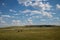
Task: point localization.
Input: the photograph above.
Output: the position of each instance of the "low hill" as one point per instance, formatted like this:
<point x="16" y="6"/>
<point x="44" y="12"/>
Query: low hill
<point x="31" y="26"/>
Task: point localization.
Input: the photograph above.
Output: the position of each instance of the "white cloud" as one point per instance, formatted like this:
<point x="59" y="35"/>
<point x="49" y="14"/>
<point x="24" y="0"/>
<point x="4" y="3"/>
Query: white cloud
<point x="3" y="3"/>
<point x="3" y="22"/>
<point x="36" y="12"/>
<point x="11" y="10"/>
<point x="26" y="11"/>
<point x="1" y="18"/>
<point x="30" y="21"/>
<point x="0" y="12"/>
<point x="16" y="22"/>
<point x="44" y="13"/>
<point x="6" y="16"/>
<point x="37" y="3"/>
<point x="47" y="14"/>
<point x="22" y="1"/>
<point x="58" y="6"/>
<point x="46" y="6"/>
<point x="33" y="12"/>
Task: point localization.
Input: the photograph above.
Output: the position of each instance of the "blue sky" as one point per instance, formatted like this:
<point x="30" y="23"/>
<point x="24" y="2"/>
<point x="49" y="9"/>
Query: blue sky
<point x="29" y="12"/>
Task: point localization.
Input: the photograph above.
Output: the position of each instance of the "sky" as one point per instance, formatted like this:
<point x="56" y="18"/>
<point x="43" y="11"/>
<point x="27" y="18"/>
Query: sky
<point x="29" y="12"/>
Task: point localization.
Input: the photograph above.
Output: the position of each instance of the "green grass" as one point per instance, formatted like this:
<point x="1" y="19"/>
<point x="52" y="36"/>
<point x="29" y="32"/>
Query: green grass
<point x="35" y="33"/>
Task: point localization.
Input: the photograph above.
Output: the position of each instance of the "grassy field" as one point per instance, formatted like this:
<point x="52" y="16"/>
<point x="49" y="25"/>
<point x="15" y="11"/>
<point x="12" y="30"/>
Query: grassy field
<point x="34" y="33"/>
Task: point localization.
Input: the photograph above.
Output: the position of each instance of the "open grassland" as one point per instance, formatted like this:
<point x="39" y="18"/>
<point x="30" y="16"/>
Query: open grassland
<point x="34" y="33"/>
